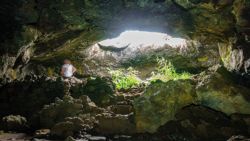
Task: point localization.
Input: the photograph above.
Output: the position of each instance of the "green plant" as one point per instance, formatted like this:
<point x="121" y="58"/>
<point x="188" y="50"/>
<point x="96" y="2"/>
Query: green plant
<point x="125" y="78"/>
<point x="51" y="71"/>
<point x="165" y="71"/>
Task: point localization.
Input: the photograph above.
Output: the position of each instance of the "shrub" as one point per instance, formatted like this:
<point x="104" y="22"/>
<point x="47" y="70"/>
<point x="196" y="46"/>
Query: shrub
<point x="165" y="71"/>
<point x="125" y="78"/>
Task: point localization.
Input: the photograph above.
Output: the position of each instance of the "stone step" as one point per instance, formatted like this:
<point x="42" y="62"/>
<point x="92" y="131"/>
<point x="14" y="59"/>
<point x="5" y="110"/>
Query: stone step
<point x="121" y="109"/>
<point x="97" y="138"/>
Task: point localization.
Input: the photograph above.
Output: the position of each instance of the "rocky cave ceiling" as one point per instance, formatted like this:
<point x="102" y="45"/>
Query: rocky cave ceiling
<point x="43" y="32"/>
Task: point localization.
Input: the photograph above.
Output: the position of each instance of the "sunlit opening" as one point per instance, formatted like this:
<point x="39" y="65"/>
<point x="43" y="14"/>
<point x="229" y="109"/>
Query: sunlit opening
<point x="131" y="44"/>
<point x="144" y="38"/>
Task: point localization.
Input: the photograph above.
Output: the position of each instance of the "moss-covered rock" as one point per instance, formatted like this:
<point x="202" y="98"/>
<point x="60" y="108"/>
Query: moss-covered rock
<point x="100" y="90"/>
<point x="14" y="123"/>
<point x="160" y="103"/>
<point x="220" y="93"/>
<point x="214" y="89"/>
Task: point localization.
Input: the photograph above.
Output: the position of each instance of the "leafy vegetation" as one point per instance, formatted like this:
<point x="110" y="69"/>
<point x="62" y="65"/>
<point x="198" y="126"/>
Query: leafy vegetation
<point x="125" y="78"/>
<point x="165" y="71"/>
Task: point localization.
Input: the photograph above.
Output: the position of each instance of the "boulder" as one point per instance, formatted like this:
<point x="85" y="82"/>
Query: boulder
<point x="67" y="109"/>
<point x="100" y="90"/>
<point x="219" y="91"/>
<point x="14" y="123"/>
<point x="115" y="124"/>
<point x="201" y="123"/>
<point x="214" y="89"/>
<point x="160" y="103"/>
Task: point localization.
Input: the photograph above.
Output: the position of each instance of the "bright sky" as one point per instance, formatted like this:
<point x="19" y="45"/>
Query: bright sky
<point x="144" y="39"/>
<point x="136" y="43"/>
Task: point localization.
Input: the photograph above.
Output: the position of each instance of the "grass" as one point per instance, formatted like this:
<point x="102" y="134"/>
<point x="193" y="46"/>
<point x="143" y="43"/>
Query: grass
<point x="165" y="71"/>
<point x="125" y="78"/>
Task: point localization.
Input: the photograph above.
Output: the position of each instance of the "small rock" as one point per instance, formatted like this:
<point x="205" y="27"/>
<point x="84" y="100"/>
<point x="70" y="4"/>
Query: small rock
<point x="121" y="109"/>
<point x="42" y="133"/>
<point x="114" y="124"/>
<point x="97" y="138"/>
<point x="63" y="129"/>
<point x="120" y="97"/>
<point x="69" y="139"/>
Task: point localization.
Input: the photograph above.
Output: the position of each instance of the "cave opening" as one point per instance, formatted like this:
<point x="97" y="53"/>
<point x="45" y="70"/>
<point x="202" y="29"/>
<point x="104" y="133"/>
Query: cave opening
<point x="143" y="39"/>
<point x="124" y="70"/>
<point x="132" y="50"/>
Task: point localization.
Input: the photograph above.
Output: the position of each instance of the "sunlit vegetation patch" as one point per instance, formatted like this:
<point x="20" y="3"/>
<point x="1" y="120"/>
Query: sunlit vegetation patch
<point x="125" y="79"/>
<point x="165" y="71"/>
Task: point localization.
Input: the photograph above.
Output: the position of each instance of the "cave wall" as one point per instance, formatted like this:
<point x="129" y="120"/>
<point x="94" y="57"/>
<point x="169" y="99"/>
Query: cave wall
<point x="36" y="35"/>
<point x="44" y="32"/>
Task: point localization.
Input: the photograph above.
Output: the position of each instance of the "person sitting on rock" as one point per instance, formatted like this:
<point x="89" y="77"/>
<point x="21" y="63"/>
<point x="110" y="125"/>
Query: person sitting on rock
<point x="68" y="71"/>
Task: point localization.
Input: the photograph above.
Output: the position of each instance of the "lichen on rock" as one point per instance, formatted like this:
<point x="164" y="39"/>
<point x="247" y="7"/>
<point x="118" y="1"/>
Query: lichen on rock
<point x="212" y="89"/>
<point x="14" y="123"/>
<point x="160" y="102"/>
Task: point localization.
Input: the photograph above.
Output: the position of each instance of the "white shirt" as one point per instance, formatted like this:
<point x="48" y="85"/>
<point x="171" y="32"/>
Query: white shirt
<point x="68" y="70"/>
